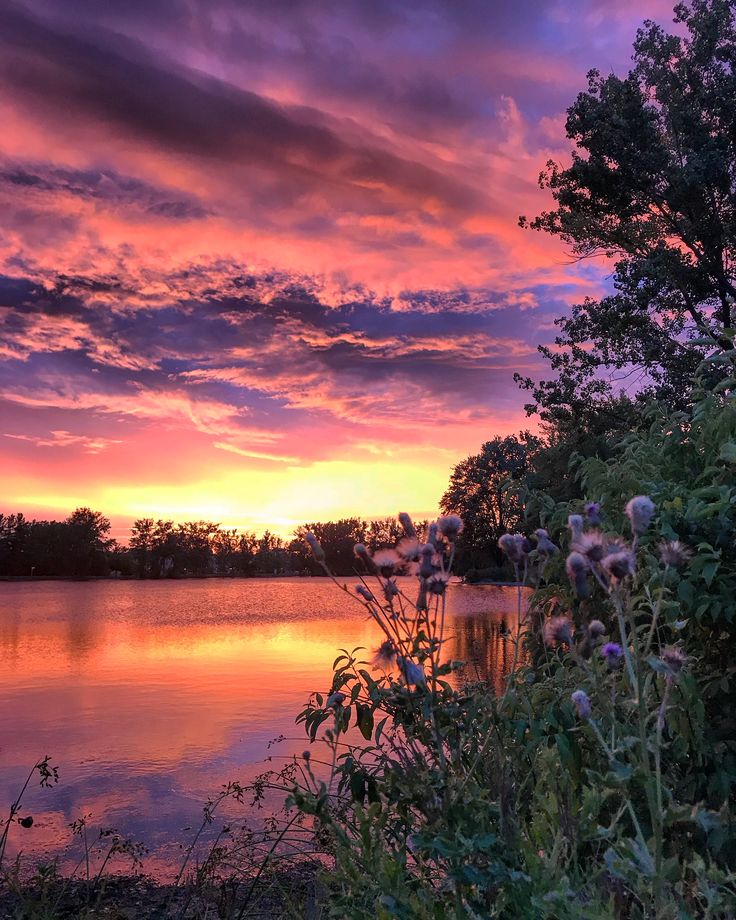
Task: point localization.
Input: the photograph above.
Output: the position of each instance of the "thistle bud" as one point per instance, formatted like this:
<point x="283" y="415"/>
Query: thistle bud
<point x="577" y="571"/>
<point x="596" y="629"/>
<point x="407" y="524"/>
<point x="545" y="547"/>
<point x="582" y="705"/>
<point x="593" y="513"/>
<point x="317" y="551"/>
<point x="575" y="523"/>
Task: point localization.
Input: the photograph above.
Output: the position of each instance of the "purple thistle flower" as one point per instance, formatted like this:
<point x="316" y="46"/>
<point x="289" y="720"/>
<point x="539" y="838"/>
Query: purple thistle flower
<point x="613" y="653"/>
<point x="593" y="513"/>
<point x="581" y="702"/>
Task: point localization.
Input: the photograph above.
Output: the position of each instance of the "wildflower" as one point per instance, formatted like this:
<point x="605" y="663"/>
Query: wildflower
<point x="361" y="552"/>
<point x="433" y="535"/>
<point x="390" y="590"/>
<point x="674" y="658"/>
<point x="593" y="513"/>
<point x="413" y="672"/>
<point x="335" y="700"/>
<point x="385" y="655"/>
<point x="591" y="544"/>
<point x="620" y="565"/>
<point x="575" y="523"/>
<point x="612" y="652"/>
<point x="407" y="524"/>
<point x="437" y="583"/>
<point x="386" y="561"/>
<point x="640" y="511"/>
<point x="581" y="702"/>
<point x="450" y="526"/>
<point x="577" y="571"/>
<point x="427" y="565"/>
<point x="674" y="553"/>
<point x="544" y="545"/>
<point x="317" y="551"/>
<point x="514" y="546"/>
<point x="596" y="629"/>
<point x="365" y="594"/>
<point x="410" y="548"/>
<point x="557" y="629"/>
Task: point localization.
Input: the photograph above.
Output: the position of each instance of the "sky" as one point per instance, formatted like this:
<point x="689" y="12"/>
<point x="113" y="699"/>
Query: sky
<point x="260" y="260"/>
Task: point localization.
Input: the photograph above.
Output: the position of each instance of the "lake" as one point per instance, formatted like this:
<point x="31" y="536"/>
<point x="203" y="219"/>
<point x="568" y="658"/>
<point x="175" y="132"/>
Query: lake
<point x="150" y="695"/>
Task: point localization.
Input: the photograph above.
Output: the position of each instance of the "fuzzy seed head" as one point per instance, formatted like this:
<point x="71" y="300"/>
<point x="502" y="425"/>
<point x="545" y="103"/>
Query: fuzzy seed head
<point x="640" y="511"/>
<point x="577" y="571"/>
<point x="620" y="565"/>
<point x="557" y="631"/>
<point x="450" y="526"/>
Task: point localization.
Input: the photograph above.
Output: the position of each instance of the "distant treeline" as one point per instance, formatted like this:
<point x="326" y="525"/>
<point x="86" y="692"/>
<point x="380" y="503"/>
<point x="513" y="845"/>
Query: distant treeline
<point x="80" y="546"/>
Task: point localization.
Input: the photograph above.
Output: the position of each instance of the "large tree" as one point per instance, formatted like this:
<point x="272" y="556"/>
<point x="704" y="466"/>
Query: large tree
<point x="486" y="490"/>
<point x="651" y="186"/>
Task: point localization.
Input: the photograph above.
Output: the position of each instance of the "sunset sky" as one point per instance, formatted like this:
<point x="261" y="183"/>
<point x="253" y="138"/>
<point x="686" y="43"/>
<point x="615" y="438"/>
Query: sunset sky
<point x="260" y="258"/>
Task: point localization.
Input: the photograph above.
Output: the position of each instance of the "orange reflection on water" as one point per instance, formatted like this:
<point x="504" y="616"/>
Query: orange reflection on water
<point x="149" y="696"/>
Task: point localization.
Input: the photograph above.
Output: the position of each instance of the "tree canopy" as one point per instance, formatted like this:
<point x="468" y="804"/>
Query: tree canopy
<point x="652" y="186"/>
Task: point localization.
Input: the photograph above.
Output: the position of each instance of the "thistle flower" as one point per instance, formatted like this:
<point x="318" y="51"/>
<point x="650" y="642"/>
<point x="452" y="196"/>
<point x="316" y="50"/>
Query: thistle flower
<point x="427" y="565"/>
<point x="557" y="630"/>
<point x="413" y="672"/>
<point x="620" y="565"/>
<point x="365" y="594"/>
<point x="596" y="629"/>
<point x="390" y="589"/>
<point x="410" y="548"/>
<point x="317" y="551"/>
<point x="386" y="561"/>
<point x="407" y="524"/>
<point x="437" y="583"/>
<point x="450" y="526"/>
<point x="674" y="553"/>
<point x="581" y="702"/>
<point x="577" y="571"/>
<point x="591" y="544"/>
<point x="674" y="658"/>
<point x="514" y="546"/>
<point x="335" y="700"/>
<point x="575" y="523"/>
<point x="385" y="655"/>
<point x="640" y="511"/>
<point x="433" y="535"/>
<point x="361" y="552"/>
<point x="593" y="513"/>
<point x="613" y="653"/>
<point x="545" y="546"/>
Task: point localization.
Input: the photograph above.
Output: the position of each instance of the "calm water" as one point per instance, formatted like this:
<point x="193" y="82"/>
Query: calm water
<point x="150" y="695"/>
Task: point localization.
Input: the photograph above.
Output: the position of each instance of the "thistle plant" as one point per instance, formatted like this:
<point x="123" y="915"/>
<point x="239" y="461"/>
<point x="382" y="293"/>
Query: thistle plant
<point x="570" y="794"/>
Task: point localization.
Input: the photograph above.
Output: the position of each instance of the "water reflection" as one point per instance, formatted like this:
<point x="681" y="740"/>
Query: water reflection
<point x="151" y="695"/>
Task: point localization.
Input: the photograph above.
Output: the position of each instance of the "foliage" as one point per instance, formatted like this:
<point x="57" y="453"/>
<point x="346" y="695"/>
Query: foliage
<point x="652" y="185"/>
<point x="593" y="787"/>
<point x="76" y="546"/>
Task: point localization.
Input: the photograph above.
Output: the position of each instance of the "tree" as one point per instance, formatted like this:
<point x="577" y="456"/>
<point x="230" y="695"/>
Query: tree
<point x="88" y="542"/>
<point x="486" y="490"/>
<point x="652" y="185"/>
